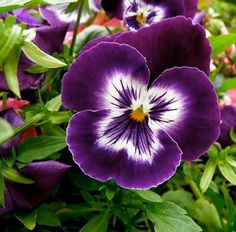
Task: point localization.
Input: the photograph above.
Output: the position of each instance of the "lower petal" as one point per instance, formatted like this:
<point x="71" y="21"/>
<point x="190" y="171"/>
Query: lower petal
<point x="103" y="163"/>
<point x="192" y="114"/>
<point x="46" y="175"/>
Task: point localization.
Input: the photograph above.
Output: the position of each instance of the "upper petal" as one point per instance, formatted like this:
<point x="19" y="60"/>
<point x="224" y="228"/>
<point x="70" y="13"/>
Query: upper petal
<point x="190" y="7"/>
<point x="171" y="42"/>
<point x="128" y="167"/>
<point x="228" y="121"/>
<point x="187" y="109"/>
<point x="117" y="8"/>
<point x="100" y="70"/>
<point x="46" y="175"/>
<point x="50" y="38"/>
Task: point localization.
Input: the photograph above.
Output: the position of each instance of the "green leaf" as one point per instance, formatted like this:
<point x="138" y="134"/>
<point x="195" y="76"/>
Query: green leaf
<point x="169" y="217"/>
<point x="10" y="71"/>
<point x="60" y="117"/>
<point x="36" y="69"/>
<point x="231" y="161"/>
<point x="13" y="175"/>
<point x="231" y="210"/>
<point x="221" y="43"/>
<point x="6" y="130"/>
<point x="54" y="104"/>
<point x="12" y="39"/>
<point x="39" y="148"/>
<point x="207" y="215"/>
<point x="208" y="174"/>
<point x="39" y="57"/>
<point x="97" y="224"/>
<point x="27" y="219"/>
<point x="47" y="216"/>
<point x="182" y="198"/>
<point x="227" y="172"/>
<point x="232" y="135"/>
<point x="227" y="84"/>
<point x="88" y="34"/>
<point x="2" y="191"/>
<point x="148" y="195"/>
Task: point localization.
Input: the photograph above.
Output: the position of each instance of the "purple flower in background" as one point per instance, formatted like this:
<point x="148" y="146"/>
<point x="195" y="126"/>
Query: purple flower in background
<point x="67" y="13"/>
<point x="46" y="175"/>
<point x="49" y="39"/>
<point x="24" y="16"/>
<point x="15" y="120"/>
<point x="139" y="114"/>
<point x="228" y="121"/>
<point x="141" y="13"/>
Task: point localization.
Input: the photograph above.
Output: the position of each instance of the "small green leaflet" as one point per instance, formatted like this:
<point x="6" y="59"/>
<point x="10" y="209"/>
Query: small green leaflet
<point x="97" y="224"/>
<point x="28" y="219"/>
<point x="39" y="148"/>
<point x="10" y="71"/>
<point x="47" y="216"/>
<point x="15" y="176"/>
<point x="148" y="195"/>
<point x="169" y="217"/>
<point x="39" y="57"/>
<point x="208" y="174"/>
<point x="6" y="130"/>
<point x="221" y="43"/>
<point x="227" y="172"/>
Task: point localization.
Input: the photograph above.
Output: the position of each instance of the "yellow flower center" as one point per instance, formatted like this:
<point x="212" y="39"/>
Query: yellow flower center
<point x="141" y="19"/>
<point x="138" y="115"/>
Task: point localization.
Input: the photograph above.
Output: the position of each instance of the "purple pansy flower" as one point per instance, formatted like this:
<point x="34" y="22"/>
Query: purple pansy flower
<point x="49" y="39"/>
<point x="46" y="175"/>
<point x="15" y="120"/>
<point x="228" y="121"/>
<point x="139" y="114"/>
<point x="141" y="13"/>
<point x="59" y="14"/>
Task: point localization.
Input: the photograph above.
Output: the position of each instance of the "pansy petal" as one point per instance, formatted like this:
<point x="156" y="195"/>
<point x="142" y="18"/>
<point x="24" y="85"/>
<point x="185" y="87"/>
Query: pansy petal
<point x="100" y="70"/>
<point x="117" y="8"/>
<point x="26" y="80"/>
<point x="190" y="7"/>
<point x="158" y="44"/>
<point x="46" y="175"/>
<point x="103" y="163"/>
<point x="50" y="38"/>
<point x="185" y="106"/>
<point x="94" y="42"/>
<point x="114" y="8"/>
<point x="15" y="120"/>
<point x="199" y="18"/>
<point x="228" y="117"/>
<point x="8" y="204"/>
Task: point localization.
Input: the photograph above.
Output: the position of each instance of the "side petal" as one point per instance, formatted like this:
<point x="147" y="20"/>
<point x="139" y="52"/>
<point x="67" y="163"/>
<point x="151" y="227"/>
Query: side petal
<point x="94" y="42"/>
<point x="228" y="121"/>
<point x="103" y="163"/>
<point x="88" y="82"/>
<point x="190" y="7"/>
<point x="46" y="175"/>
<point x="8" y="205"/>
<point x="50" y="38"/>
<point x="167" y="44"/>
<point x="188" y="111"/>
<point x="114" y="8"/>
<point x="15" y="120"/>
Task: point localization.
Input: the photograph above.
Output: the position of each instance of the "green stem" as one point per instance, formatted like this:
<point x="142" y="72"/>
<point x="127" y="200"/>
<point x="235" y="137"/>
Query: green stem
<point x="28" y="123"/>
<point x="77" y="23"/>
<point x="4" y="100"/>
<point x="195" y="189"/>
